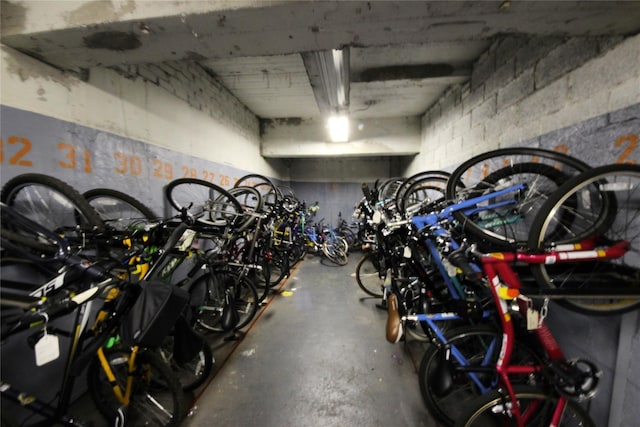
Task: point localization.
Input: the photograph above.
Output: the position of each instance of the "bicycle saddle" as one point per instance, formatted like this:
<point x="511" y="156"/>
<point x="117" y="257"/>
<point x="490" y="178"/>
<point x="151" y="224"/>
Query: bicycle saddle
<point x="394" y="323"/>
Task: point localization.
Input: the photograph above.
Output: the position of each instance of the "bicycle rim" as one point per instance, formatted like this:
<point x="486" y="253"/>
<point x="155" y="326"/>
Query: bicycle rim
<point x="119" y="210"/>
<point x="421" y="190"/>
<point x="444" y="388"/>
<point x="208" y="203"/>
<point x="543" y="171"/>
<point x="603" y="204"/>
<point x="368" y="275"/>
<point x="536" y="405"/>
<point x="190" y="374"/>
<point x="245" y="300"/>
<point x="52" y="203"/>
<point x="156" y="397"/>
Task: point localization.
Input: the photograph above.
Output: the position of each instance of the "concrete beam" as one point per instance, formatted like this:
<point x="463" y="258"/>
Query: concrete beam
<point x="300" y="138"/>
<point x="85" y="34"/>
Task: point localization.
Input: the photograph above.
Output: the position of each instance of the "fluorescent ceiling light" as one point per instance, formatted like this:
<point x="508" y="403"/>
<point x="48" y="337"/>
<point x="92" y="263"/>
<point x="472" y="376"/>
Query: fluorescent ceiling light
<point x="339" y="128"/>
<point x="328" y="72"/>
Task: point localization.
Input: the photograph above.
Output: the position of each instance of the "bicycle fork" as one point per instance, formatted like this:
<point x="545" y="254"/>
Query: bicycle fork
<point x="124" y="397"/>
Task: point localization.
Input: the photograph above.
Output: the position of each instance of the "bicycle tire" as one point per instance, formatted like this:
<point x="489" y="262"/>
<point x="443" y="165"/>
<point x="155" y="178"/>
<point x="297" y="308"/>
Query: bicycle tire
<point x="251" y="201"/>
<point x="271" y="194"/>
<point x="119" y="210"/>
<point x="336" y="251"/>
<point x="278" y="266"/>
<point x="368" y="275"/>
<point x="191" y="374"/>
<point x="542" y="170"/>
<point x="208" y="203"/>
<point x="249" y="198"/>
<point x="157" y="397"/>
<point x="472" y="342"/>
<point x="55" y="205"/>
<point x="424" y="190"/>
<point x="297" y="252"/>
<point x="602" y="203"/>
<point x="273" y="272"/>
<point x="389" y="187"/>
<point x="508" y="226"/>
<point x="409" y="181"/>
<point x="24" y="192"/>
<point x="489" y="410"/>
<point x="246" y="300"/>
<point x="348" y="235"/>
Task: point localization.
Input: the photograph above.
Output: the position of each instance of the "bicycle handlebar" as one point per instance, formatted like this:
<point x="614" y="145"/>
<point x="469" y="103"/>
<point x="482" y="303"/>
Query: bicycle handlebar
<point x="49" y="309"/>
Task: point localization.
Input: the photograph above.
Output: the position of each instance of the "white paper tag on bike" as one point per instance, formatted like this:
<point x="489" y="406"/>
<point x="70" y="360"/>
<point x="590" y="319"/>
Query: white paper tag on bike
<point x="533" y="318"/>
<point x="406" y="253"/>
<point x="47" y="349"/>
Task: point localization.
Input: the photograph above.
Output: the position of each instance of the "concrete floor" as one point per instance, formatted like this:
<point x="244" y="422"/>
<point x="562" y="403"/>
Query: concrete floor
<point x="315" y="356"/>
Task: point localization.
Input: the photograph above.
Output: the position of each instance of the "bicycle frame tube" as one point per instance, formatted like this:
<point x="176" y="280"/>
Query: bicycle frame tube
<point x="451" y="282"/>
<point x="59" y="412"/>
<point x="434" y="219"/>
<point x="123" y="397"/>
<point x="497" y="267"/>
<point x="455" y="353"/>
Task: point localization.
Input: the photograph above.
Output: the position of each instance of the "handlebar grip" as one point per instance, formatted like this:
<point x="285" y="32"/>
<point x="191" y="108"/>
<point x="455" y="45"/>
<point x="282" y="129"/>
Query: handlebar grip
<point x="43" y="314"/>
<point x="366" y="191"/>
<point x="459" y="259"/>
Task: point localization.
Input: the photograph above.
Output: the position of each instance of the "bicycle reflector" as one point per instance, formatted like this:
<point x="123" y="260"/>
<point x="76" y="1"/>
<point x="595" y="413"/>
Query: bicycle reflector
<point x="508" y="293"/>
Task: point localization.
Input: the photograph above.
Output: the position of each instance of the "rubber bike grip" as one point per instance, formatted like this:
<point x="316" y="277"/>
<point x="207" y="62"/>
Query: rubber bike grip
<point x="459" y="259"/>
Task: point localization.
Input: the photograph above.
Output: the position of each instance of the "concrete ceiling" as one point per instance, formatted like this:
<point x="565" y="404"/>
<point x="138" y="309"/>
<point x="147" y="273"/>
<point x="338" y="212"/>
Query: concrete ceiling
<point x="403" y="54"/>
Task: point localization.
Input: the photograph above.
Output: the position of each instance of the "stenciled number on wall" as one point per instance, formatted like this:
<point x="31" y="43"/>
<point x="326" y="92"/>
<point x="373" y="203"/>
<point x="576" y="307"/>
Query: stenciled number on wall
<point x="629" y="143"/>
<point x="17" y="151"/>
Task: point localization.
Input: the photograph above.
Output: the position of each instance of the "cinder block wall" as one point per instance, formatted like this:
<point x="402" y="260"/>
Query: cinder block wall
<point x="522" y="88"/>
<point x="578" y="94"/>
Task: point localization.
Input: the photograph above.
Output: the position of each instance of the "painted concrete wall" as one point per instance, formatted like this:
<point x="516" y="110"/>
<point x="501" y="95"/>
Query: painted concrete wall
<point x="174" y="105"/>
<point x="522" y="88"/>
<point x="580" y="96"/>
<point x="580" y="93"/>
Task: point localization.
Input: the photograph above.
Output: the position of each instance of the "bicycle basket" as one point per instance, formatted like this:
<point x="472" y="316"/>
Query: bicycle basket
<point x="153" y="315"/>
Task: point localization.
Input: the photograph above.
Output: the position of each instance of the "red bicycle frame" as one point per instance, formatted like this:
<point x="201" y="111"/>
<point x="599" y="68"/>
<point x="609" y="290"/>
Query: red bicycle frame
<point x="505" y="285"/>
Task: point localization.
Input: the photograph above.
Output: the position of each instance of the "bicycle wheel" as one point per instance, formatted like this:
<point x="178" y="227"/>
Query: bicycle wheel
<point x="251" y="201"/>
<point x="543" y="171"/>
<point x="493" y="409"/>
<point x="274" y="270"/>
<point x="444" y="386"/>
<point x="157" y="399"/>
<point x="388" y="189"/>
<point x="119" y="210"/>
<point x="336" y="251"/>
<point x="249" y="198"/>
<point x="210" y="316"/>
<point x="348" y="235"/>
<point x="52" y="203"/>
<point x="421" y="191"/>
<point x="278" y="266"/>
<point x="56" y="206"/>
<point x="297" y="250"/>
<point x="602" y="204"/>
<point x="368" y="275"/>
<point x="193" y="373"/>
<point x="210" y="204"/>
<point x="269" y="191"/>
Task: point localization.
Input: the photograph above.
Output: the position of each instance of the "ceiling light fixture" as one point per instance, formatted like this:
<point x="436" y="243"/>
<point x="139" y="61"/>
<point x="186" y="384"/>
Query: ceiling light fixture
<point x="339" y="128"/>
<point x="328" y="72"/>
